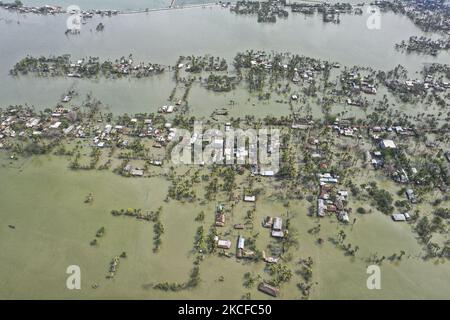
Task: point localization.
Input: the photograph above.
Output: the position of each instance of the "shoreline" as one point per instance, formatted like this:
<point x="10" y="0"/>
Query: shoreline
<point x="53" y="10"/>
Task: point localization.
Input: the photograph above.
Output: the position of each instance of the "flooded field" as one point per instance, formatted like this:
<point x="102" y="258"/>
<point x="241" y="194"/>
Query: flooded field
<point x="54" y="227"/>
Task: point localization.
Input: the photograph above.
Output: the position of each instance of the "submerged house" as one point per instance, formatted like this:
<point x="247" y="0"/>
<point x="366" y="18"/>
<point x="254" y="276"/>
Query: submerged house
<point x="137" y="172"/>
<point x="249" y="198"/>
<point x="411" y="196"/>
<point x="320" y="207"/>
<point x="268" y="289"/>
<point x="224" y="244"/>
<point x="387" y="144"/>
<point x="267" y="173"/>
<point x="277" y="231"/>
<point x="240" y="247"/>
<point x="220" y="219"/>
<point x="268" y="222"/>
<point x="241" y="243"/>
<point x="398" y="217"/>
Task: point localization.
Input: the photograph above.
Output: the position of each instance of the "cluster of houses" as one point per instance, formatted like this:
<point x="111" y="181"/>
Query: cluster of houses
<point x="135" y="172"/>
<point x="27" y="125"/>
<point x="125" y="66"/>
<point x="166" y="109"/>
<point x="358" y="84"/>
<point x="241" y="252"/>
<point x="424" y="45"/>
<point x="429" y="15"/>
<point x="86" y="67"/>
<point x="331" y="200"/>
<point x="399" y="130"/>
<point x="276" y="226"/>
<point x="417" y="86"/>
<point x="267" y="11"/>
<point x="376" y="157"/>
<point x="50" y="9"/>
<point x="405" y="216"/>
<point x="344" y="128"/>
<point x="23" y="123"/>
<point x="377" y="160"/>
<point x="220" y="222"/>
<point x="235" y="151"/>
<point x="104" y="137"/>
<point x="306" y="73"/>
<point x="35" y="9"/>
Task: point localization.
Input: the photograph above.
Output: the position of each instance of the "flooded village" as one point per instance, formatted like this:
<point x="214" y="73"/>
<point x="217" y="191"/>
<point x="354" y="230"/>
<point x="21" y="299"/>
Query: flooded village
<point x="363" y="179"/>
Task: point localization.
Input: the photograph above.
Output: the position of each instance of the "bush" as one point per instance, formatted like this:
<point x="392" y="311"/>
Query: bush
<point x="361" y="210"/>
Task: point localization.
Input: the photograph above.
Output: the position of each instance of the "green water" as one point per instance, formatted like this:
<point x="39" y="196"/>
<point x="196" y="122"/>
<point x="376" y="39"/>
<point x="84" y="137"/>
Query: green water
<point x="44" y="200"/>
<point x="163" y="36"/>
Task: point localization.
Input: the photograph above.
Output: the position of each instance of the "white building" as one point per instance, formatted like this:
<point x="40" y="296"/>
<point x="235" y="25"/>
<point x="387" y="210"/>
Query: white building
<point x="387" y="144"/>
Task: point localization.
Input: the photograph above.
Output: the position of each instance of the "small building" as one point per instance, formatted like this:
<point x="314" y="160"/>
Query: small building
<point x="241" y="243"/>
<point x="271" y="259"/>
<point x="277" y="224"/>
<point x="411" y="196"/>
<point x="267" y="173"/>
<point x="387" y="144"/>
<point x="268" y="222"/>
<point x="343" y="216"/>
<point x="69" y="129"/>
<point x="56" y="125"/>
<point x="32" y="122"/>
<point x="220" y="219"/>
<point x="398" y="217"/>
<point x="277" y="234"/>
<point x="249" y="198"/>
<point x="137" y="172"/>
<point x="224" y="244"/>
<point x="343" y="195"/>
<point x="268" y="289"/>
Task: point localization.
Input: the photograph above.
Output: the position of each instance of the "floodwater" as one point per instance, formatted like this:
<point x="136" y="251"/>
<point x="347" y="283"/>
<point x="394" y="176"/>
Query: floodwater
<point x="122" y="5"/>
<point x="45" y="200"/>
<point x="163" y="36"/>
